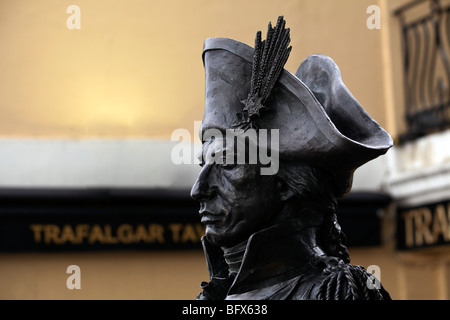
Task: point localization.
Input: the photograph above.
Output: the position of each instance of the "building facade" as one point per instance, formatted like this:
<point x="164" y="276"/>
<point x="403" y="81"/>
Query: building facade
<point x="96" y="96"/>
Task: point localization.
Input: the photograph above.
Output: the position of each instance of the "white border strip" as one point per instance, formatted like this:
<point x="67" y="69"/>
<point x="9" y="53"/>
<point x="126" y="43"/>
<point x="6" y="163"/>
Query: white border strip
<point x="92" y="163"/>
<point x="135" y="163"/>
<point x="419" y="171"/>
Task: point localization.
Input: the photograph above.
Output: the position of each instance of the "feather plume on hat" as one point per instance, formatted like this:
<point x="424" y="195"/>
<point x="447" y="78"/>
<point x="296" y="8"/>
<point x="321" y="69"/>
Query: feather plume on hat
<point x="269" y="59"/>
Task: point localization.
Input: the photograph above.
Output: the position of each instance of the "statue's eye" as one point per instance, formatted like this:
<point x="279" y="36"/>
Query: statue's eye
<point x="228" y="166"/>
<point x="228" y="163"/>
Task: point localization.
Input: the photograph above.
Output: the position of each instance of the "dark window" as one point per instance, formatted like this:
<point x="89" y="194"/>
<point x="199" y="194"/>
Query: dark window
<point x="425" y="27"/>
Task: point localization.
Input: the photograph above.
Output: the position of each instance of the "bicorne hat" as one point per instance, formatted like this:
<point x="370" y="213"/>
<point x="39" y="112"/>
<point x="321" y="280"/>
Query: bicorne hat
<point x="319" y="120"/>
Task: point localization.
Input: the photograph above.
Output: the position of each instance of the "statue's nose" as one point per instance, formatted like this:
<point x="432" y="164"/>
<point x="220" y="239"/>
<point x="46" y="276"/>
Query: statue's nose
<point x="195" y="191"/>
<point x="203" y="187"/>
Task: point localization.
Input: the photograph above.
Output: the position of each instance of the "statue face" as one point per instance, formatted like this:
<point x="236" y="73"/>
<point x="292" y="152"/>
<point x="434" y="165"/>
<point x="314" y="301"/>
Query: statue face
<point x="235" y="199"/>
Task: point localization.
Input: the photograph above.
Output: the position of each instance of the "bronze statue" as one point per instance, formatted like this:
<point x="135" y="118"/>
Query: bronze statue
<point x="276" y="235"/>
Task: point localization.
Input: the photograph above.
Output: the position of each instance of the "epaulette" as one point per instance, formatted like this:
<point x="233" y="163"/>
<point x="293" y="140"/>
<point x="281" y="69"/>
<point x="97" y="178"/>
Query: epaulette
<point x="350" y="282"/>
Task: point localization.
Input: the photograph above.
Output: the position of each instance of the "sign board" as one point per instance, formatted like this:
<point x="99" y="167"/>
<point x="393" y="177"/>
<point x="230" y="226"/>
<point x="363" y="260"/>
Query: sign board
<point x="95" y="219"/>
<point x="58" y="220"/>
<point x="422" y="226"/>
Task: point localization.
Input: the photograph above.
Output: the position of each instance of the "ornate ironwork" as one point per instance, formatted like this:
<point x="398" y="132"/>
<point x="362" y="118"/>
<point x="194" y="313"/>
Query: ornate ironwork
<point x="426" y="50"/>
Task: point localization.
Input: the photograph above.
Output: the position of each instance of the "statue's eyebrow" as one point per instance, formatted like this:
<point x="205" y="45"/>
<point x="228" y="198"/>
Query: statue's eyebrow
<point x="205" y="147"/>
<point x="200" y="156"/>
<point x="203" y="155"/>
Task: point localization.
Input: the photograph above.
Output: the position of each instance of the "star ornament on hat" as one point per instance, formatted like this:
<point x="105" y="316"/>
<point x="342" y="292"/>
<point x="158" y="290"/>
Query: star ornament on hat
<point x="319" y="120"/>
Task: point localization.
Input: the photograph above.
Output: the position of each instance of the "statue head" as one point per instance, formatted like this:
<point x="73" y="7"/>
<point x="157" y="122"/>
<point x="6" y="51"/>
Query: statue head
<point x="276" y="146"/>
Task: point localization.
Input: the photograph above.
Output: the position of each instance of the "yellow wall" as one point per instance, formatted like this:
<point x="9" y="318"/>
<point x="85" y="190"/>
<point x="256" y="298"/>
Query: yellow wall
<point x="172" y="275"/>
<point x="134" y="68"/>
<point x="147" y="275"/>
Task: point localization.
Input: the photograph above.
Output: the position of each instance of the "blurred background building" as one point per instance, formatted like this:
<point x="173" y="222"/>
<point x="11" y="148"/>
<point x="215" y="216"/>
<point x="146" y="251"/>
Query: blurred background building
<point x="90" y="96"/>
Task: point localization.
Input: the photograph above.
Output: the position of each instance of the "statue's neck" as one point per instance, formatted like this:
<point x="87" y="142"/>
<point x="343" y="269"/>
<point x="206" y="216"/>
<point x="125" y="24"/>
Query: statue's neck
<point x="290" y="234"/>
<point x="234" y="256"/>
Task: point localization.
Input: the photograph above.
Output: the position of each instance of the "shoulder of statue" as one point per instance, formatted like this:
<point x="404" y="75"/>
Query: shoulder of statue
<point x="344" y="281"/>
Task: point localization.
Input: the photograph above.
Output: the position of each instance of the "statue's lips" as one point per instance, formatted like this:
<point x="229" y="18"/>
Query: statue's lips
<point x="210" y="218"/>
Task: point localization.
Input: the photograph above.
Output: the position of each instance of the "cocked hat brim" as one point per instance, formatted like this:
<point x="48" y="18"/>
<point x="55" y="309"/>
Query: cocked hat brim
<point x="337" y="135"/>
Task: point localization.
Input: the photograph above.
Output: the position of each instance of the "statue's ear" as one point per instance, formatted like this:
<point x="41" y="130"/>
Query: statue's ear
<point x="284" y="190"/>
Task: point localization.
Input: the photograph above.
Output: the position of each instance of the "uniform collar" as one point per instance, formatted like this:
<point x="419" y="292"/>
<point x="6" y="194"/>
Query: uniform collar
<point x="272" y="255"/>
